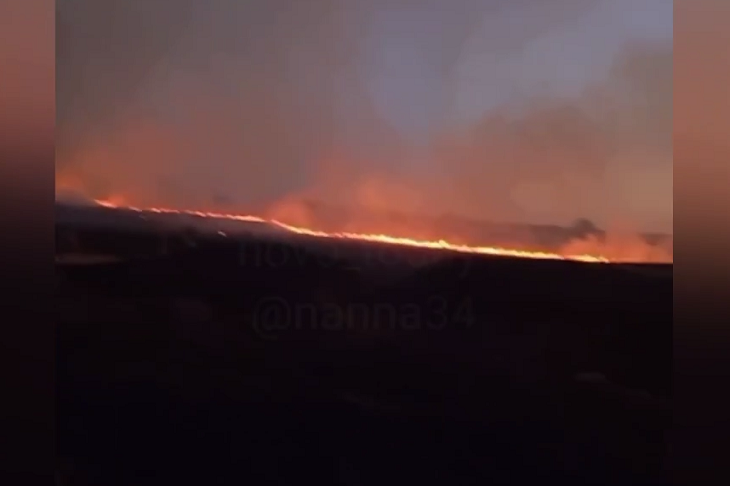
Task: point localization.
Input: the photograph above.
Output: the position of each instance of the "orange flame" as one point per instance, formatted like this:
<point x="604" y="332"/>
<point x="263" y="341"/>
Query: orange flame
<point x="378" y="238"/>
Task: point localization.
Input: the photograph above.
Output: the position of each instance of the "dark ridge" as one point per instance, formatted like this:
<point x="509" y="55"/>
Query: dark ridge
<point x="214" y="360"/>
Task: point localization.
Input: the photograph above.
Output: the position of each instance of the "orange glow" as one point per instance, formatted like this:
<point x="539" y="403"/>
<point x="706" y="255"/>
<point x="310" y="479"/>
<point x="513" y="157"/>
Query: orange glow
<point x="378" y="238"/>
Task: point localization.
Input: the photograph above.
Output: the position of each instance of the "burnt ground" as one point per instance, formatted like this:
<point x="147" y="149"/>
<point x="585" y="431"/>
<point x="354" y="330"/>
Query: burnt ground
<point x="254" y="362"/>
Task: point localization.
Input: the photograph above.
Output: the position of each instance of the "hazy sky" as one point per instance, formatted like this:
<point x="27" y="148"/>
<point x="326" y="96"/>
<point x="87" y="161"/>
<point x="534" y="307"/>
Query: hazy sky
<point x="524" y="110"/>
<point x="509" y="52"/>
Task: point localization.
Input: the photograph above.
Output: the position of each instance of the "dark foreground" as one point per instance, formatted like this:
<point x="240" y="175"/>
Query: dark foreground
<point x="263" y="363"/>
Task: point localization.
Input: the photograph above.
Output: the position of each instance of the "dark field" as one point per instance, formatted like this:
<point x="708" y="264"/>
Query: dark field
<point x="204" y="360"/>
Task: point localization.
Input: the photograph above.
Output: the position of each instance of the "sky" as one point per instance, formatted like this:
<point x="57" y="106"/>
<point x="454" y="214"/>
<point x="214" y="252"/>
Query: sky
<point x="541" y="111"/>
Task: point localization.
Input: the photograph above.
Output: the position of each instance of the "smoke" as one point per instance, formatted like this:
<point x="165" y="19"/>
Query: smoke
<point x="485" y="110"/>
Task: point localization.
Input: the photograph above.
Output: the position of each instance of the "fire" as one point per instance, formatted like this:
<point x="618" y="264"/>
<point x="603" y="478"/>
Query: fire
<point x="378" y="238"/>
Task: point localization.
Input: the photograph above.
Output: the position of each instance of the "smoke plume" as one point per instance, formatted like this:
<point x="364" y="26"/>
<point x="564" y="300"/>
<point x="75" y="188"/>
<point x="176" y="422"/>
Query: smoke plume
<point x="526" y="111"/>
